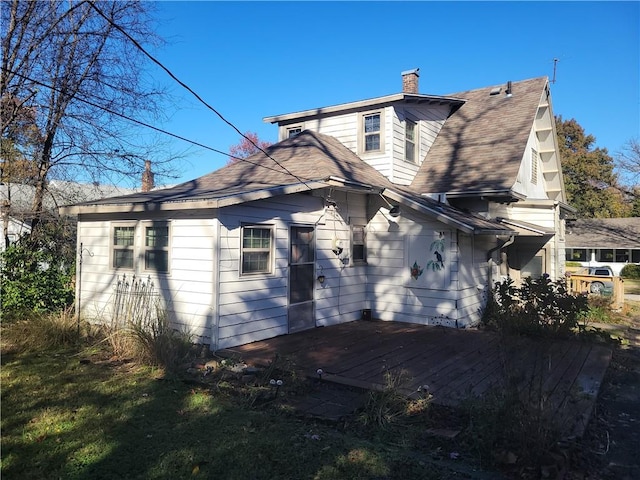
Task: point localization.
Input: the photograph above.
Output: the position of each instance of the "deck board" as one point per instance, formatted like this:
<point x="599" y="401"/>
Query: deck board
<point x="455" y="364"/>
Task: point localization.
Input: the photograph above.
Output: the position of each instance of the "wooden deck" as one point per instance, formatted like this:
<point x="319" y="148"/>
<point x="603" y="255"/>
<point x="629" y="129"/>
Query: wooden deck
<point x="454" y="364"/>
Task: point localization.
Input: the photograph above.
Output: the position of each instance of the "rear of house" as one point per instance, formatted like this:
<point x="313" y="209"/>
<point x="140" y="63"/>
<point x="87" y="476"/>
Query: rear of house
<point x="353" y="210"/>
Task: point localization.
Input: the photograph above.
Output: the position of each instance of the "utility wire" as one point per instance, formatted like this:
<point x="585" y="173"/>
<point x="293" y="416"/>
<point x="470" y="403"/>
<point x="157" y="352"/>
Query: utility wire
<point x="185" y="86"/>
<point x="160" y="130"/>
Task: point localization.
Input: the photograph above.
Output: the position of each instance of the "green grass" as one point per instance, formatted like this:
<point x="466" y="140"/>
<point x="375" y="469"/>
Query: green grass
<point x="69" y="414"/>
<point x="632" y="286"/>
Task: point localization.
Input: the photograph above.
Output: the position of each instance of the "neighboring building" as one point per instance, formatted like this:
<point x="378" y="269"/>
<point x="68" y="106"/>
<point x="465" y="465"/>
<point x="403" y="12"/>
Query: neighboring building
<point x="16" y="201"/>
<point x="594" y="242"/>
<point x="409" y="205"/>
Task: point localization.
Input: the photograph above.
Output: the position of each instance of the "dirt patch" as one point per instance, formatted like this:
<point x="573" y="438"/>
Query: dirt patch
<point x="609" y="448"/>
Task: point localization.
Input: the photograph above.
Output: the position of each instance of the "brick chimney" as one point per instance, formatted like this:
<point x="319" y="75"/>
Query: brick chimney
<point x="147" y="177"/>
<point x="410" y="81"/>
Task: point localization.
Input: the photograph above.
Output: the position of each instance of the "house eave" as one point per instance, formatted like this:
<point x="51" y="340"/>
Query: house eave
<point x="211" y="203"/>
<point x="442" y="217"/>
<point x="369" y="103"/>
<point x="499" y="195"/>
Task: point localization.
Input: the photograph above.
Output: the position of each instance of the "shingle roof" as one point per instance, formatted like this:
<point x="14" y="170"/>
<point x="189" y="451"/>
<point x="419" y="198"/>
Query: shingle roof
<point x="604" y="233"/>
<point x="305" y="158"/>
<point x="480" y="147"/>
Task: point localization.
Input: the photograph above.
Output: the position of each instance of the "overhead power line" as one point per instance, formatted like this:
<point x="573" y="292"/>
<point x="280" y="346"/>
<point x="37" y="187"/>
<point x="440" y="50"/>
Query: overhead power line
<point x="190" y="90"/>
<point x="157" y="129"/>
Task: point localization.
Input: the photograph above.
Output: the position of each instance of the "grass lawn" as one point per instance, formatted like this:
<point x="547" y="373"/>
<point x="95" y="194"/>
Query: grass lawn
<point x="76" y="415"/>
<point x="632" y="285"/>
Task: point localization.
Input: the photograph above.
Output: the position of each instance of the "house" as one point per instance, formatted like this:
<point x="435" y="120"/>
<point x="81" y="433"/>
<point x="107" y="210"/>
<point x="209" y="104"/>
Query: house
<point x="407" y="207"/>
<point x="16" y="201"/>
<point x="613" y="242"/>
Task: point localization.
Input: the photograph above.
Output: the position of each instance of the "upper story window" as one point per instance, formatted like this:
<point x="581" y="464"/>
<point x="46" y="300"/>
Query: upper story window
<point x="410" y="137"/>
<point x="293" y="131"/>
<point x="372" y="132"/>
<point x="256" y="250"/>
<point x="156" y="247"/>
<point x="123" y="244"/>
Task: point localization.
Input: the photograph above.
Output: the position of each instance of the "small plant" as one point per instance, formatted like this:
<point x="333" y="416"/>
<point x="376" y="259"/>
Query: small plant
<point x="141" y="328"/>
<point x="386" y="405"/>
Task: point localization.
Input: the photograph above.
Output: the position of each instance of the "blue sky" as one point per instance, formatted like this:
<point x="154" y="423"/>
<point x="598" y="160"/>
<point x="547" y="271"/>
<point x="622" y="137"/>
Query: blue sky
<point x="250" y="60"/>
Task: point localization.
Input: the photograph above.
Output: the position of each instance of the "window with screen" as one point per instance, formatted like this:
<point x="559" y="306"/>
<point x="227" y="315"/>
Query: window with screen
<point x="256" y="250"/>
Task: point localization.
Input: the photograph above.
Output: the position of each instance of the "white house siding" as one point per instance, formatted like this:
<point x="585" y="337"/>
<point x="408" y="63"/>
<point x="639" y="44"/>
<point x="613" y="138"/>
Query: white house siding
<point x="254" y="307"/>
<point x="430" y="120"/>
<point x="544" y="214"/>
<point x="186" y="291"/>
<point x="524" y="184"/>
<point x="394" y="296"/>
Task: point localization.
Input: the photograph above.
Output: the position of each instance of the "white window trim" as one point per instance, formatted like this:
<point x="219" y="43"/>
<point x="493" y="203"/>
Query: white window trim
<point x="272" y="242"/>
<point x="361" y="133"/>
<point x="289" y="128"/>
<point x="415" y="141"/>
<point x="138" y="248"/>
<point x="113" y="247"/>
<point x="143" y="245"/>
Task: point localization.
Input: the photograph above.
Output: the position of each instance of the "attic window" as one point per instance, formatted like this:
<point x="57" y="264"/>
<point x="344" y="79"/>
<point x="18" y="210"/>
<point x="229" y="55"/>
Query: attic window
<point x="293" y="131"/>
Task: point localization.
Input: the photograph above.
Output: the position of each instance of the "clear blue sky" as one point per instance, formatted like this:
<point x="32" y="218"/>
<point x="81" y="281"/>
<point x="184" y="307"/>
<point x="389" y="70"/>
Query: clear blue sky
<point x="250" y="60"/>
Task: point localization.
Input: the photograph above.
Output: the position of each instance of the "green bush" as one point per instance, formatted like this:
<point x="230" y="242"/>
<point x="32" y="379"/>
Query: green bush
<point x="631" y="270"/>
<point x="538" y="307"/>
<point x="34" y="279"/>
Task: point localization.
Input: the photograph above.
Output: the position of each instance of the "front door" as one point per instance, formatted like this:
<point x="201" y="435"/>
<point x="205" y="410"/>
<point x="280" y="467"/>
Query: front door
<point x="302" y="260"/>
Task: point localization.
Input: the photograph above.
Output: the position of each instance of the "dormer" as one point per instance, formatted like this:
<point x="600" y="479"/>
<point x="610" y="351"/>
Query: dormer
<point x="393" y="133"/>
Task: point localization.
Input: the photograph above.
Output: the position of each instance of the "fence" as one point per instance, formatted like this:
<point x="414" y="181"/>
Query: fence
<point x="613" y="286"/>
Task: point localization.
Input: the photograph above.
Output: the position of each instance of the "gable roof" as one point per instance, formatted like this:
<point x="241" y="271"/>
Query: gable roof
<point x="480" y="147"/>
<point x="603" y="233"/>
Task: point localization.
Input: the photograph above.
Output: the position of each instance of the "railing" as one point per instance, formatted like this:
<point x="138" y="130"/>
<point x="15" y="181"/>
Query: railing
<point x="613" y="286"/>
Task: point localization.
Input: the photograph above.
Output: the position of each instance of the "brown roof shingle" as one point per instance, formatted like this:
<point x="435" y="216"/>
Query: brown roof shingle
<point x="603" y="233"/>
<point x="480" y="147"/>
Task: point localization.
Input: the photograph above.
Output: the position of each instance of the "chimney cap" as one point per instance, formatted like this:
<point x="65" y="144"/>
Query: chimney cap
<point x="409" y="72"/>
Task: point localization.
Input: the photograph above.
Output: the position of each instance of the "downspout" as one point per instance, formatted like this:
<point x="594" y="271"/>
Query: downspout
<point x="490" y="260"/>
<point x="215" y="311"/>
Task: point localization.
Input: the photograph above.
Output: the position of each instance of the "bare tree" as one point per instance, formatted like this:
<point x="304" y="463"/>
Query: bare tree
<point x="628" y="163"/>
<point x="68" y="63"/>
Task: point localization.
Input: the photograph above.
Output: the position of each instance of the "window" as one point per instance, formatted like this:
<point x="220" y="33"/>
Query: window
<point x="372" y="132"/>
<point x="256" y="250"/>
<point x="622" y="256"/>
<point x="293" y="131"/>
<point x="578" y="255"/>
<point x="123" y="243"/>
<point x="635" y="256"/>
<point x="534" y="166"/>
<point x="605" y="255"/>
<point x="410" y="141"/>
<point x="358" y="245"/>
<point x="156" y="247"/>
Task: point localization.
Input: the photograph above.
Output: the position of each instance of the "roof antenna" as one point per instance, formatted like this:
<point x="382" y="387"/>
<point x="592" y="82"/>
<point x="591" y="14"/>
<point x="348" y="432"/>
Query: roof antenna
<point x="555" y="63"/>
